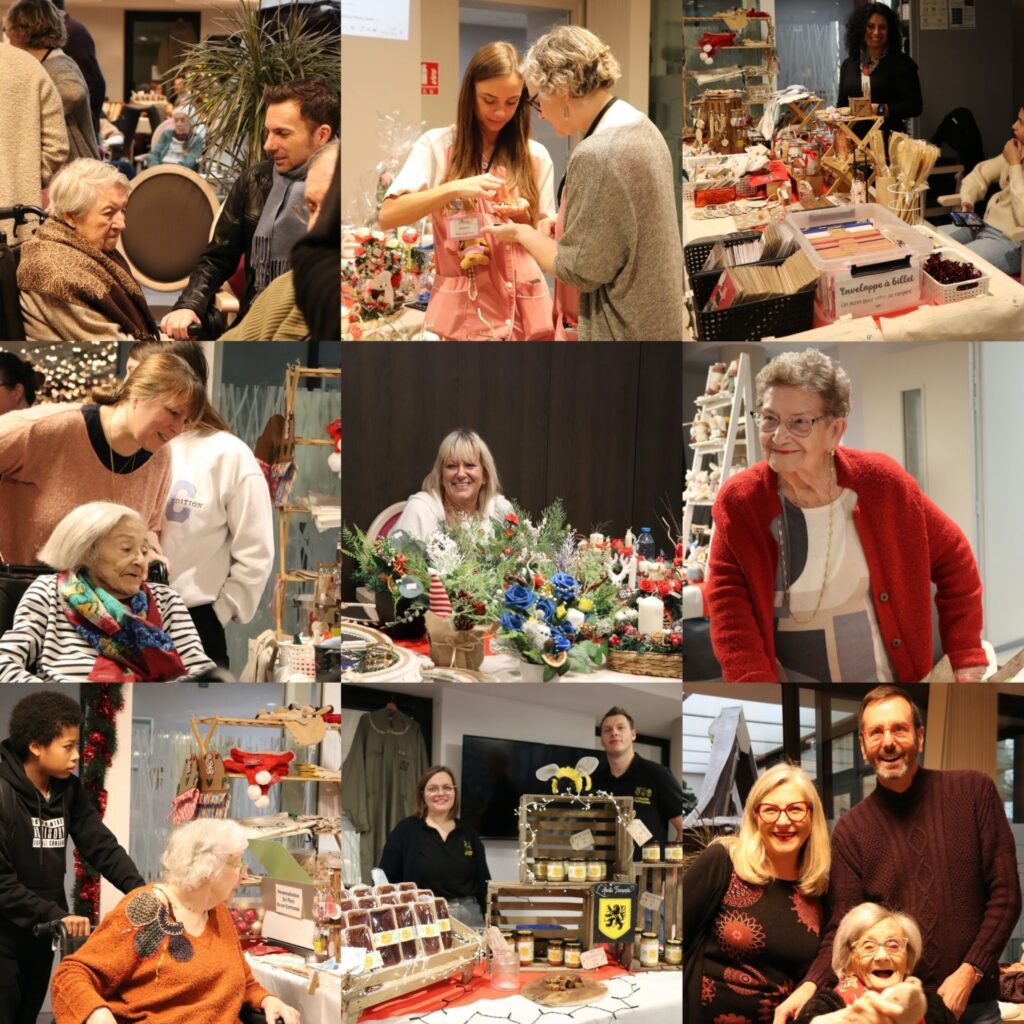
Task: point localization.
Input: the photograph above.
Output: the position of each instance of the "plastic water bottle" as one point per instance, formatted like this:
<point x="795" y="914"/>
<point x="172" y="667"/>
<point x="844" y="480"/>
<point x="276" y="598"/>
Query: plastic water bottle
<point x="645" y="546"/>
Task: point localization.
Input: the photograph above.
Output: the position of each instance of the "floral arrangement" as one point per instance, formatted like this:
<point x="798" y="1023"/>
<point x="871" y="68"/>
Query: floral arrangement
<point x="379" y="272"/>
<point x="663" y="580"/>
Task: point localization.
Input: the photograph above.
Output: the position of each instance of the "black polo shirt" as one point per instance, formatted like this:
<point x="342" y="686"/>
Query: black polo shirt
<point x="657" y="794"/>
<point x="455" y="867"/>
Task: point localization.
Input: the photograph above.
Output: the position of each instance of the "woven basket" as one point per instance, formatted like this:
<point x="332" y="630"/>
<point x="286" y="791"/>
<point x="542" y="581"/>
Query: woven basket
<point x="668" y="666"/>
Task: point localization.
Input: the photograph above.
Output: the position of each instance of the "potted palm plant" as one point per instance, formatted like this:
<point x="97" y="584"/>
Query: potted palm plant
<point x="225" y="75"/>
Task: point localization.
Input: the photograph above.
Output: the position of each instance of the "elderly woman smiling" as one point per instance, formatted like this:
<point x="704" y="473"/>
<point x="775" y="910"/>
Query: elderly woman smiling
<point x="823" y="557"/>
<point x="74" y="284"/>
<point x="97" y="619"/>
<point x="463" y="484"/>
<point x="873" y="956"/>
<point x="168" y="952"/>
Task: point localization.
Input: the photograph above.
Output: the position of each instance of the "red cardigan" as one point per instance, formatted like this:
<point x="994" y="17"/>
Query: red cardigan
<point x="908" y="541"/>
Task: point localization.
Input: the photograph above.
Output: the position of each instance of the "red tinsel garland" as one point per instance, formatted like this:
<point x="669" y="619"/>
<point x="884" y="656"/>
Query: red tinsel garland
<point x="102" y="703"/>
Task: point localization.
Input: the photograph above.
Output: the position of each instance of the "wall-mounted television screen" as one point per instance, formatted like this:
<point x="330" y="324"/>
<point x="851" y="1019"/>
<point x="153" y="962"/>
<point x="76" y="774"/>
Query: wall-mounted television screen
<point x="496" y="773"/>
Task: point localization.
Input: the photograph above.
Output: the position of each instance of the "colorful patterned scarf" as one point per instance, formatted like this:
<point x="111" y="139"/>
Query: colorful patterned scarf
<point x="130" y="642"/>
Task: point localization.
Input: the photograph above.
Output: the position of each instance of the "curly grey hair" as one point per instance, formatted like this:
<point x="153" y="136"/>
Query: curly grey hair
<point x="857" y="921"/>
<point x="571" y="60"/>
<point x="810" y="371"/>
<point x="73" y="541"/>
<point x="197" y="850"/>
<point x="78" y="185"/>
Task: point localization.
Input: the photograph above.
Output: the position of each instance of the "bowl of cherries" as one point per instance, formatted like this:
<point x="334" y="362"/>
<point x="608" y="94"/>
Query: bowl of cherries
<point x="951" y="280"/>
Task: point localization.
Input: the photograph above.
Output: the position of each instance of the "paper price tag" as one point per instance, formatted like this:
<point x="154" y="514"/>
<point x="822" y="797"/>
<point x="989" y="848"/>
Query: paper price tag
<point x="593" y="958"/>
<point x="639" y="831"/>
<point x="650" y="901"/>
<point x="582" y="840"/>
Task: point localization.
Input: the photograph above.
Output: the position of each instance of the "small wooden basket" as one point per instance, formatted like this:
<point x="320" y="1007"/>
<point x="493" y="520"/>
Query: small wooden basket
<point x="668" y="666"/>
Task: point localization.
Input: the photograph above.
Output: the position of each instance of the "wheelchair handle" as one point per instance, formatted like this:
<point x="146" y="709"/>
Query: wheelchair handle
<point x="48" y="928"/>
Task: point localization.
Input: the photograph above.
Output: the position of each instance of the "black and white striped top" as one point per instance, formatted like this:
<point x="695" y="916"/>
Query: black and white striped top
<point x="43" y="647"/>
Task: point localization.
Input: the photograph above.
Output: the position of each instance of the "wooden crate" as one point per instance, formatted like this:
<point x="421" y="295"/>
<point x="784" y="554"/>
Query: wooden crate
<point x="561" y="817"/>
<point x="665" y="879"/>
<point x="362" y="991"/>
<point x="570" y="905"/>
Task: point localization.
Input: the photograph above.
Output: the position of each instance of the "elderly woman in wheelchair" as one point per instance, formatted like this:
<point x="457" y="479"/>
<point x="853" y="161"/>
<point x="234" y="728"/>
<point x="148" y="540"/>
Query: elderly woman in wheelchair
<point x="74" y="284"/>
<point x="168" y="952"/>
<point x="97" y="619"/>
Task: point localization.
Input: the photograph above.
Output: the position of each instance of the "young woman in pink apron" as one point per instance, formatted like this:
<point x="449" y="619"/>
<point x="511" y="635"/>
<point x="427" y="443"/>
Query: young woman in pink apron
<point x="484" y="289"/>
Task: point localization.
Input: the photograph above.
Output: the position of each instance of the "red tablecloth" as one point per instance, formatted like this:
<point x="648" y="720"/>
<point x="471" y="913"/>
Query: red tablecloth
<point x="438" y="996"/>
<point x="422" y="646"/>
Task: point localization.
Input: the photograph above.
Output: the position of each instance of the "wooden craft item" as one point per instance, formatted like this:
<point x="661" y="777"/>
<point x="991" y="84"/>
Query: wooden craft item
<point x="724" y="115"/>
<point x="860" y="106"/>
<point x="564" y="988"/>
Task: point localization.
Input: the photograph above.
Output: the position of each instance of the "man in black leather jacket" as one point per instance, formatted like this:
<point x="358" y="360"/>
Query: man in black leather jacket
<point x="302" y="116"/>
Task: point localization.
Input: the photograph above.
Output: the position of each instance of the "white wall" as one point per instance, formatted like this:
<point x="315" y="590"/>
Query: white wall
<point x="1000" y="426"/>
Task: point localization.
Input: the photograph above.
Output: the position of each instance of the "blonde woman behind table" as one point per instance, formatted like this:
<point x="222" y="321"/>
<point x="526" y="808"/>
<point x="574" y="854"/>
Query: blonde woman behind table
<point x="456" y="175"/>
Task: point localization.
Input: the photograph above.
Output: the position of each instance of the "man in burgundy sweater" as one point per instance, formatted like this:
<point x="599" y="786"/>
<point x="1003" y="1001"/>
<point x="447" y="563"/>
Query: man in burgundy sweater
<point x="933" y="844"/>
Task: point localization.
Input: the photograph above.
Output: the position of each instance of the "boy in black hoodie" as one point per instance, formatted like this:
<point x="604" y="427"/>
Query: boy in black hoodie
<point x="41" y="803"/>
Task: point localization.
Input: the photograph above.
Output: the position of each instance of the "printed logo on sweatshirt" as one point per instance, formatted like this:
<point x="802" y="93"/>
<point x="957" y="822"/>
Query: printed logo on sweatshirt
<point x="181" y="501"/>
<point x="642" y="795"/>
<point x="48" y="833"/>
<point x="467" y="849"/>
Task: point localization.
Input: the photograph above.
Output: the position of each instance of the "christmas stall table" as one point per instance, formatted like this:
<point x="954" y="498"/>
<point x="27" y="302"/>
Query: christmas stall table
<point x="1004" y="293"/>
<point x="654" y="998"/>
<point x="292" y="985"/>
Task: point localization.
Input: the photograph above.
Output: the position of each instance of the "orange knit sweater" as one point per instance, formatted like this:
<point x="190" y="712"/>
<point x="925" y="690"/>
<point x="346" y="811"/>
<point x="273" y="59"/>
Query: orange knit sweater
<point x="48" y="467"/>
<point x="136" y="966"/>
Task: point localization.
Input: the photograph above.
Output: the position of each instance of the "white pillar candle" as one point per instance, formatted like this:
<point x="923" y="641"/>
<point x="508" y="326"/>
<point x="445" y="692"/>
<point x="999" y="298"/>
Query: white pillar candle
<point x="632" y="572"/>
<point x="628" y="539"/>
<point x="651" y="615"/>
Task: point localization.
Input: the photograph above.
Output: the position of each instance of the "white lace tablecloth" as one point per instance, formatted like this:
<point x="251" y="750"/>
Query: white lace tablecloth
<point x="323" y="1007"/>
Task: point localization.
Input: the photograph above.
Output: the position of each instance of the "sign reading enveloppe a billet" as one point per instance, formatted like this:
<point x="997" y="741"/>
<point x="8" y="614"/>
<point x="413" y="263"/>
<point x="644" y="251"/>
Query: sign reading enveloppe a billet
<point x="614" y="911"/>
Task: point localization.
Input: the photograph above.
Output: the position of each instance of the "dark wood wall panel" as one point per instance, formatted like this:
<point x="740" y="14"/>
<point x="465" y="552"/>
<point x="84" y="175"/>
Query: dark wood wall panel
<point x="596" y="425"/>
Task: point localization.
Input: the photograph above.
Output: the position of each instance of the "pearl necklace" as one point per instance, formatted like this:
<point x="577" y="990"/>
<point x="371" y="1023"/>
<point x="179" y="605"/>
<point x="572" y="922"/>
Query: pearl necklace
<point x="784" y="539"/>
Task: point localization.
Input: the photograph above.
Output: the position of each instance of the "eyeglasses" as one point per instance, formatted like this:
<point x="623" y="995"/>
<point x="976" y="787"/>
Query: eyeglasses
<point x="434" y="790"/>
<point x="534" y="103"/>
<point x="796" y="812"/>
<point x="798" y="426"/>
<point x="869" y="947"/>
<point x="876" y="735"/>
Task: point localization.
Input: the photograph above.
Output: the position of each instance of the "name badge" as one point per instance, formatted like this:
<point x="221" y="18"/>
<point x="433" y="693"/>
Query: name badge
<point x="465" y="225"/>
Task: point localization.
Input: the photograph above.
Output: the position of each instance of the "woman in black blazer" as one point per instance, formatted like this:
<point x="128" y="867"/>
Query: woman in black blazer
<point x="875" y="60"/>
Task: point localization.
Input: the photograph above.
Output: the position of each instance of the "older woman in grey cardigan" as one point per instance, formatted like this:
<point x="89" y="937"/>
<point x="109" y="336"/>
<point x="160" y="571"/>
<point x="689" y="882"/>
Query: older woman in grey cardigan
<point x="614" y="248"/>
<point x="38" y="27"/>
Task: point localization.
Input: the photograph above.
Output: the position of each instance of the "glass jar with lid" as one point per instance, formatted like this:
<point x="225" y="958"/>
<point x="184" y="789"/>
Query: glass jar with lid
<point x="540" y="870"/>
<point x="649" y="949"/>
<point x="674" y="951"/>
<point x="573" y="952"/>
<point x="525" y="942"/>
<point x="576" y="870"/>
<point x="556" y="870"/>
<point x="556" y="952"/>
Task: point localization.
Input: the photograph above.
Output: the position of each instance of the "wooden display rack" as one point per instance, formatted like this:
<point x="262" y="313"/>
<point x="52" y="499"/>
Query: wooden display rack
<point x="804" y="111"/>
<point x="569" y="906"/>
<point x="841" y="167"/>
<point x="666" y="880"/>
<point x="360" y="992"/>
<point x="561" y="818"/>
<point x="284" y="575"/>
<point x="216" y="721"/>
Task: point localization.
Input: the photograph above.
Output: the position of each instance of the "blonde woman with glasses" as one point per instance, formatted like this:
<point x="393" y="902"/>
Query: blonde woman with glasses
<point x="752" y="914"/>
<point x="823" y="557"/>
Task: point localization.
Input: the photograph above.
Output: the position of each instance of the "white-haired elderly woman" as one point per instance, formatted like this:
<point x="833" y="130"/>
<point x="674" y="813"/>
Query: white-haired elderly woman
<point x="97" y="619"/>
<point x="873" y="956"/>
<point x="179" y="145"/>
<point x="168" y="952"/>
<point x="614" y="247"/>
<point x="823" y="557"/>
<point x="752" y="915"/>
<point x="463" y="484"/>
<point x="74" y="284"/>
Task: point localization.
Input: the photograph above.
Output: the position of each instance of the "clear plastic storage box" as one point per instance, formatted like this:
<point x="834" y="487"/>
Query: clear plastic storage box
<point x="871" y="282"/>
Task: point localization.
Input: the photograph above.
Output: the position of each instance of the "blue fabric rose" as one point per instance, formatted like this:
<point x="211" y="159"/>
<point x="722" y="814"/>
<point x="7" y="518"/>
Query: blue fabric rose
<point x="565" y="586"/>
<point x="519" y="598"/>
<point x="560" y="643"/>
<point x="566" y="627"/>
<point x="511" y="621"/>
<point x="545" y="609"/>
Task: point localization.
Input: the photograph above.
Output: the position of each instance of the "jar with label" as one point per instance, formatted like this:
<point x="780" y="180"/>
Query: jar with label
<point x="556" y="870"/>
<point x="674" y="951"/>
<point x="540" y="870"/>
<point x="510" y="938"/>
<point x="576" y="870"/>
<point x="652" y="853"/>
<point x="573" y="952"/>
<point x="649" y="949"/>
<point x="525" y="943"/>
<point x="556" y="953"/>
<point x="594" y="870"/>
<point x="674" y="852"/>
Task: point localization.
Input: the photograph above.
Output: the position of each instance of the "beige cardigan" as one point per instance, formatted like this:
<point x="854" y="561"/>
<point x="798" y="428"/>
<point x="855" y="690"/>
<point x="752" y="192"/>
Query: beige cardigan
<point x="1005" y="210"/>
